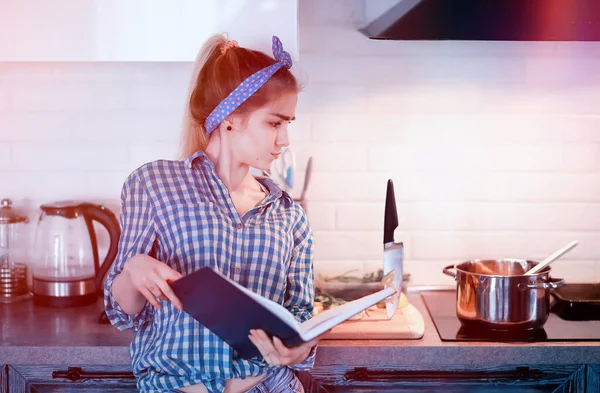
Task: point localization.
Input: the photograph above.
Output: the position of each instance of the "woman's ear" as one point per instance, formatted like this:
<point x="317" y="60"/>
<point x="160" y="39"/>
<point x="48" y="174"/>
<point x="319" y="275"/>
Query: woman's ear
<point x="237" y="123"/>
<point x="227" y="125"/>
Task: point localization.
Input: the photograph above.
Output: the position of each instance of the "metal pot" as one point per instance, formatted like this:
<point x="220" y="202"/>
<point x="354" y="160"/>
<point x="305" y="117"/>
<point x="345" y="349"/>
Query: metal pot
<point x="494" y="294"/>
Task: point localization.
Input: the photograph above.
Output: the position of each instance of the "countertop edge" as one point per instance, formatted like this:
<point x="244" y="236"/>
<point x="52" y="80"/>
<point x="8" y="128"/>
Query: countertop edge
<point x="428" y="352"/>
<point x="87" y="355"/>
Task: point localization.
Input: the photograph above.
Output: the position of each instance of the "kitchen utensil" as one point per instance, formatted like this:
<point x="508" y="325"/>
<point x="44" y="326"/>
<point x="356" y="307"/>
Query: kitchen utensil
<point x="282" y="169"/>
<point x="393" y="252"/>
<point x="307" y="174"/>
<point x="13" y="271"/>
<point x="577" y="302"/>
<point x="552" y="258"/>
<point x="67" y="270"/>
<point x="504" y="299"/>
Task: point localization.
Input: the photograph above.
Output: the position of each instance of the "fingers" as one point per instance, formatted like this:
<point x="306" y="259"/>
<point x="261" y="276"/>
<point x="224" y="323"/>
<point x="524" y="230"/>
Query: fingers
<point x="173" y="275"/>
<point x="168" y="293"/>
<point x="276" y="353"/>
<point x="282" y="349"/>
<point x="265" y="346"/>
<point x="149" y="296"/>
<point x="157" y="285"/>
<point x="301" y="352"/>
<point x="170" y="276"/>
<point x="154" y="290"/>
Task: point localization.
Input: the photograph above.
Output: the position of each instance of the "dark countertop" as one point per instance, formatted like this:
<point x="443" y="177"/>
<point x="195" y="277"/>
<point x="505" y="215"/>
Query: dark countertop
<point x="39" y="335"/>
<point x="43" y="335"/>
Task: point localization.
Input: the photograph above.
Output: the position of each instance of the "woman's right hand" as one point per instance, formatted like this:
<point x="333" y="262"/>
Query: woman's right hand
<point x="150" y="277"/>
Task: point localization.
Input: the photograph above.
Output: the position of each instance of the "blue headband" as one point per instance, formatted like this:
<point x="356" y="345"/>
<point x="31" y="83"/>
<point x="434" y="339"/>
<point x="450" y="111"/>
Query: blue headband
<point x="248" y="87"/>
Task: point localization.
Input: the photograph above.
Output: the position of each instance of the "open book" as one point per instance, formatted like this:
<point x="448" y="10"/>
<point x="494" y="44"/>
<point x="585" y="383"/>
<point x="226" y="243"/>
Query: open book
<point x="229" y="310"/>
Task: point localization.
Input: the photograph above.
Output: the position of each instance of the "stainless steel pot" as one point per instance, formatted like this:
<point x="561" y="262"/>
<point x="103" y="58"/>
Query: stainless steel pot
<point x="494" y="294"/>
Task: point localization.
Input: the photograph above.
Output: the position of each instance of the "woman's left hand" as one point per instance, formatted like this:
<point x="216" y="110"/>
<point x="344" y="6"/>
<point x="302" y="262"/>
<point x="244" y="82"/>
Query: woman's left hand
<point x="276" y="353"/>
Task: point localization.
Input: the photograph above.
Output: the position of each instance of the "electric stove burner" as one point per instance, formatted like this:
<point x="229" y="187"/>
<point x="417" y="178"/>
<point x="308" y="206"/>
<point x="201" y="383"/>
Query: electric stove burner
<point x="442" y="308"/>
<point x="465" y="333"/>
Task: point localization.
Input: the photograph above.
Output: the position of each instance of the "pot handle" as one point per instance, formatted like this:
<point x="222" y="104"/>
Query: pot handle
<point x="447" y="271"/>
<point x="553" y="283"/>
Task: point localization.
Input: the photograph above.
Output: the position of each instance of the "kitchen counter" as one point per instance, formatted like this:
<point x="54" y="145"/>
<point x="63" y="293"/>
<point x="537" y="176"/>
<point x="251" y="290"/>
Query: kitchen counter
<point x="39" y="335"/>
<point x="34" y="334"/>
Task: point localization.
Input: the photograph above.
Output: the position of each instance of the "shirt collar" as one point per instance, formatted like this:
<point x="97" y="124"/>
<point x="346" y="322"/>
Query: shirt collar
<point x="274" y="190"/>
<point x="190" y="160"/>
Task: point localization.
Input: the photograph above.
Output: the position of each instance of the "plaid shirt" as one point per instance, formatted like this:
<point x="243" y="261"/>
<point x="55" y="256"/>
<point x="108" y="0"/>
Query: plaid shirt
<point x="180" y="212"/>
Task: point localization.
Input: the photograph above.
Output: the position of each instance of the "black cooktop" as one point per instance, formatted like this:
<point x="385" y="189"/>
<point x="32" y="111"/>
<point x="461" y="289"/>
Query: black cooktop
<point x="442" y="308"/>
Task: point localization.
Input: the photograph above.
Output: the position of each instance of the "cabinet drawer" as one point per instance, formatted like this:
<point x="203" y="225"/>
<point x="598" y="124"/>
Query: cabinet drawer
<point x="519" y="378"/>
<point x="60" y="378"/>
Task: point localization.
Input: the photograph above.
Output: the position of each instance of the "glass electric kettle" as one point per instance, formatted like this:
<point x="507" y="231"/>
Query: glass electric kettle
<point x="66" y="266"/>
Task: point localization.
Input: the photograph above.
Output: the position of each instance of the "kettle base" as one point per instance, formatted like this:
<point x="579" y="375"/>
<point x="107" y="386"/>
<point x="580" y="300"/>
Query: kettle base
<point x="67" y="293"/>
<point x="66" y="301"/>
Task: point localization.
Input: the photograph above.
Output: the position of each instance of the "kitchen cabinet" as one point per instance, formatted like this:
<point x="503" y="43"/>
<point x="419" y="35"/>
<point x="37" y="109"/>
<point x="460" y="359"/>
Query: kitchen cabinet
<point x="518" y="379"/>
<point x="523" y="379"/>
<point x="593" y="378"/>
<point x="65" y="379"/>
<point x="138" y="30"/>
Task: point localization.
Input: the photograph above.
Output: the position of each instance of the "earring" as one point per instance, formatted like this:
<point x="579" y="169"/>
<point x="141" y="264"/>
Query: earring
<point x="229" y="128"/>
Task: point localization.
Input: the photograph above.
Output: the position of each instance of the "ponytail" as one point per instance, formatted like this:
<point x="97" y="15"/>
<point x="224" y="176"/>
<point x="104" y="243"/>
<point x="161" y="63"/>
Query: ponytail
<point x="193" y="133"/>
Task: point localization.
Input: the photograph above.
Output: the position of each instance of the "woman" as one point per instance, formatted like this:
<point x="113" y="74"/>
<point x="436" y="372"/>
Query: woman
<point x="208" y="210"/>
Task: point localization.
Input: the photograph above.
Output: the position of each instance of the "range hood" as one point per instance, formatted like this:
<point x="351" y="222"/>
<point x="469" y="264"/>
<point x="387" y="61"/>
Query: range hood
<point x="497" y="20"/>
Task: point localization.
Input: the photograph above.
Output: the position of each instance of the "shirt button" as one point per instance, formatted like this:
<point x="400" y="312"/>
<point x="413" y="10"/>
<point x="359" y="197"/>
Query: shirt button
<point x="237" y="270"/>
<point x="238" y="225"/>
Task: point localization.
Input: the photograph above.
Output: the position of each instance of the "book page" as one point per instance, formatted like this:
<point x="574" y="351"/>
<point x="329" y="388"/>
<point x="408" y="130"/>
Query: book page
<point x="270" y="305"/>
<point x="334" y="316"/>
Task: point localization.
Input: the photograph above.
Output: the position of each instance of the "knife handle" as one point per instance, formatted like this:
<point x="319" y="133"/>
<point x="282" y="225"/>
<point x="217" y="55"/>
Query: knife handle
<point x="390" y="222"/>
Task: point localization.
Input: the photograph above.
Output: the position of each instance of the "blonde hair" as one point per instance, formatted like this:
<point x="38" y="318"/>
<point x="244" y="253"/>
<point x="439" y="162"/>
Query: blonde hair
<point x="217" y="72"/>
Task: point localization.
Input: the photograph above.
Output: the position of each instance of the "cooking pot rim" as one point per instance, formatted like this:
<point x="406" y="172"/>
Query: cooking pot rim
<point x="542" y="272"/>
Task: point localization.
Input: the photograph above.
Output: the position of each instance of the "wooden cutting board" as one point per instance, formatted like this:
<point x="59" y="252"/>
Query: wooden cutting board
<point x="407" y="323"/>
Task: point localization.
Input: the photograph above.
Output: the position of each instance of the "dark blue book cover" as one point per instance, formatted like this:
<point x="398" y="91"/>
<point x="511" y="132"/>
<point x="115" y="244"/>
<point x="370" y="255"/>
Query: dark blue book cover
<point x="229" y="312"/>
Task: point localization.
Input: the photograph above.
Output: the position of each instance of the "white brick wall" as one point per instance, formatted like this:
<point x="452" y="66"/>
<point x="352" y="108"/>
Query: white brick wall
<point x="493" y="147"/>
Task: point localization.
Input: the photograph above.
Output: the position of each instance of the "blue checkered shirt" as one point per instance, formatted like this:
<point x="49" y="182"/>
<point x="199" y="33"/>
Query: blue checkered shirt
<point x="180" y="212"/>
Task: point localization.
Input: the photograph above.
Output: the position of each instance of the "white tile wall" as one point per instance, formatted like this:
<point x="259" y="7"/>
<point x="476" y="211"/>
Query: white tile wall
<point x="493" y="146"/>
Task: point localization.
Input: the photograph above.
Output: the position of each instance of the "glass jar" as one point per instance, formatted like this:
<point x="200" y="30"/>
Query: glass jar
<point x="13" y="269"/>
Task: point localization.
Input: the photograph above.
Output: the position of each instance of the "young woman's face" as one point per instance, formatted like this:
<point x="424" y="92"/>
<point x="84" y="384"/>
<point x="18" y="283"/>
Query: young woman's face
<point x="260" y="139"/>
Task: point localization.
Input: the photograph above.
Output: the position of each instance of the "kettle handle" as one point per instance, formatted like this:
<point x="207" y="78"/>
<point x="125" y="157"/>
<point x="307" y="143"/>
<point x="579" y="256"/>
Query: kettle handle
<point x="108" y="220"/>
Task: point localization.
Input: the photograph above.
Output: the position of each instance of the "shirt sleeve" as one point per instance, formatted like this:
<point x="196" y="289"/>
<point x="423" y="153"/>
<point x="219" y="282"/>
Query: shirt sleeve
<point x="300" y="287"/>
<point x="137" y="237"/>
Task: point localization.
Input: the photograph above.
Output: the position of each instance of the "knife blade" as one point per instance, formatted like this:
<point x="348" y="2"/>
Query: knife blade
<point x="393" y="252"/>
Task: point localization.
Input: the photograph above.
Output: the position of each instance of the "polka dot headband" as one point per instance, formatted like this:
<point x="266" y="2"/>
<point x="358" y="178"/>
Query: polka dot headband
<point x="248" y="87"/>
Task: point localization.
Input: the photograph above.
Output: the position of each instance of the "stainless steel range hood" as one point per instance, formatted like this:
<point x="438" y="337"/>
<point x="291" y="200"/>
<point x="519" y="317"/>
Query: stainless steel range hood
<point x="497" y="20"/>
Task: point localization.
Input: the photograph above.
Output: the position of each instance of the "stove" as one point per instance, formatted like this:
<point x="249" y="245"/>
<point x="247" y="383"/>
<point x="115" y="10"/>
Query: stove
<point x="442" y="308"/>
